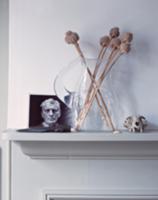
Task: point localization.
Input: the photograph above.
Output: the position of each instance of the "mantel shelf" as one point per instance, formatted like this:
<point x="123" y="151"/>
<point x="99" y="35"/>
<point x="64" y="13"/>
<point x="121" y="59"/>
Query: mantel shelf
<point x="13" y="135"/>
<point x="86" y="145"/>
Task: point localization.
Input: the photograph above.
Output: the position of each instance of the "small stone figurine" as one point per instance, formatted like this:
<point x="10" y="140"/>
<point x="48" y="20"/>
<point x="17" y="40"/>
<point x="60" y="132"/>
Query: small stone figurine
<point x="135" y="123"/>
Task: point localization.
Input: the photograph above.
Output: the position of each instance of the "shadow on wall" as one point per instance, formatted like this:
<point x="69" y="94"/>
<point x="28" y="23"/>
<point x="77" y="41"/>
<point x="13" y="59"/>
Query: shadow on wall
<point x="152" y="126"/>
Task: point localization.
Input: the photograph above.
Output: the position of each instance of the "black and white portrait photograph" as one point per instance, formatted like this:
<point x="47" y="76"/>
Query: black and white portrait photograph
<point x="49" y="113"/>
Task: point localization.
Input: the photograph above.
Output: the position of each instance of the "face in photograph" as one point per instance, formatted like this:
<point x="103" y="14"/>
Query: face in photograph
<point x="50" y="112"/>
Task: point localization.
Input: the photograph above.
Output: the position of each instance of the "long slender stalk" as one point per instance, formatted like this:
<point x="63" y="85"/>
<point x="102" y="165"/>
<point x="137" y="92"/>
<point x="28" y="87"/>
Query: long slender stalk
<point x="106" y="115"/>
<point x="107" y="68"/>
<point x="114" y="56"/>
<point x="82" y="113"/>
<point x="95" y="85"/>
<point x="99" y="60"/>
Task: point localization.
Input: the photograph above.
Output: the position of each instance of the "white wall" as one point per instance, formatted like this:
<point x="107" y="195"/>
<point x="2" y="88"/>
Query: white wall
<point x="38" y="50"/>
<point x="4" y="16"/>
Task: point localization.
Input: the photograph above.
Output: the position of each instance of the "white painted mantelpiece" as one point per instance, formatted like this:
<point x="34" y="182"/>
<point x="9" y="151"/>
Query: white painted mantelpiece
<point x="82" y="166"/>
<point x="86" y="145"/>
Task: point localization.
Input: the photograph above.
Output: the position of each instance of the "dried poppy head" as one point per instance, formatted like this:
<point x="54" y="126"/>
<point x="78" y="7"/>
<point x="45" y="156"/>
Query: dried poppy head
<point x="127" y="37"/>
<point x="114" y="32"/>
<point x="71" y="37"/>
<point x="115" y="43"/>
<point x="104" y="41"/>
<point x="125" y="47"/>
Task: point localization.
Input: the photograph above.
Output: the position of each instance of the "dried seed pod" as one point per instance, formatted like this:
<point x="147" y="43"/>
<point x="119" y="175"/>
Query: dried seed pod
<point x="115" y="43"/>
<point x="125" y="47"/>
<point x="71" y="37"/>
<point x="114" y="32"/>
<point x="127" y="37"/>
<point x="104" y="41"/>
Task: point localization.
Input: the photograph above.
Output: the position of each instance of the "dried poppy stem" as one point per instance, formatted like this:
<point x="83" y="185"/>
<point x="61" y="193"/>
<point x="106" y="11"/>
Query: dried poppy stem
<point x="115" y="43"/>
<point x="115" y="54"/>
<point x="91" y="85"/>
<point x="105" y="115"/>
<point x="86" y="108"/>
<point x="104" y="42"/>
<point x="72" y="38"/>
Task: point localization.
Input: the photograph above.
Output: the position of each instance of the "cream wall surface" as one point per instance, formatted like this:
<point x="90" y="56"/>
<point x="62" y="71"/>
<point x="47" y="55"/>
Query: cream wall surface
<point x="4" y="58"/>
<point x="38" y="51"/>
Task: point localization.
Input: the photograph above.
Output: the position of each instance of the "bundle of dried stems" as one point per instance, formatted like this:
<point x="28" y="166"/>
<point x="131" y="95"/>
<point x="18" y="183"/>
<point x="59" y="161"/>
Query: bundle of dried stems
<point x="118" y="46"/>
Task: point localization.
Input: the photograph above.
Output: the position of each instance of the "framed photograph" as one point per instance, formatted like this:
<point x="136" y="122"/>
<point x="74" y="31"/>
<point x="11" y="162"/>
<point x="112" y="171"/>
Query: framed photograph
<point x="50" y="113"/>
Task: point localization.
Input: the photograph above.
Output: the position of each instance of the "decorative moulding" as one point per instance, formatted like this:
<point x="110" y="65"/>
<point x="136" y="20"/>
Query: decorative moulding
<point x="100" y="194"/>
<point x="86" y="145"/>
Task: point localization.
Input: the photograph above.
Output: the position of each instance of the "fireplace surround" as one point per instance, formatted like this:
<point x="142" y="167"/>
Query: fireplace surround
<point x="82" y="166"/>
